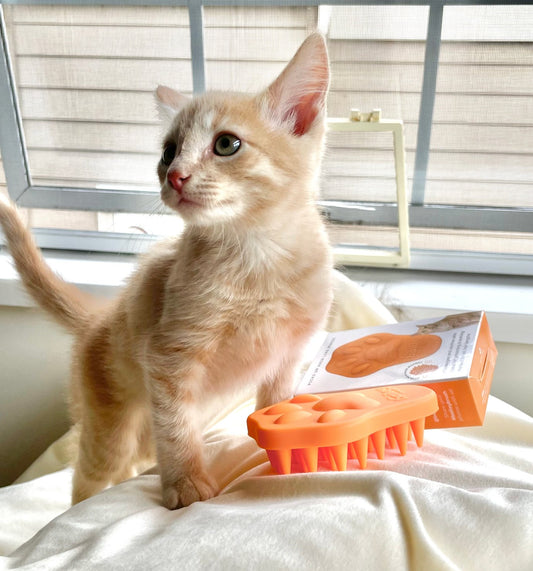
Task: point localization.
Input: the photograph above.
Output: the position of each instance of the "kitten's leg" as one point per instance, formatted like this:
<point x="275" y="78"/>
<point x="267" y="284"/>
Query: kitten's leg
<point x="107" y="446"/>
<point x="145" y="457"/>
<point x="279" y="387"/>
<point x="111" y="410"/>
<point x="178" y="437"/>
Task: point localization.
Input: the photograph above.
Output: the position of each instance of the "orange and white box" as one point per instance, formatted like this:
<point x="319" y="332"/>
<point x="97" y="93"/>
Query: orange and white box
<point x="454" y="356"/>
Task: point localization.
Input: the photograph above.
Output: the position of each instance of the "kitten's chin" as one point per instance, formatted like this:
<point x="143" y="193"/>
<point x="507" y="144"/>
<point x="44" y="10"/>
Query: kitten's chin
<point x="208" y="216"/>
<point x="199" y="213"/>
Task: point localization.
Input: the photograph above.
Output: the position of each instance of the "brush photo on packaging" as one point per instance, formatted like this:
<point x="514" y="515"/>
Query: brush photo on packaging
<point x="454" y="356"/>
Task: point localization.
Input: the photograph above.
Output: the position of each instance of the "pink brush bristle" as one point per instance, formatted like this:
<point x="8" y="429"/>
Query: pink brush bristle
<point x="361" y="451"/>
<point x="417" y="426"/>
<point x="281" y="460"/>
<point x="329" y="430"/>
<point x="285" y="461"/>
<point x="391" y="440"/>
<point x="378" y="442"/>
<point x="401" y="433"/>
<point x="307" y="458"/>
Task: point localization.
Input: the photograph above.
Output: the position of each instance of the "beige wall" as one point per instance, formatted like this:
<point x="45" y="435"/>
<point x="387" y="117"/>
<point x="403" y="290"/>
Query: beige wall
<point x="513" y="376"/>
<point x="34" y="357"/>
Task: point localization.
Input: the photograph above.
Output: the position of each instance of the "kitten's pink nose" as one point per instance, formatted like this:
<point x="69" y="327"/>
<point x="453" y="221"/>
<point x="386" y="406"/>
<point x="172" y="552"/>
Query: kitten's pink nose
<point x="177" y="179"/>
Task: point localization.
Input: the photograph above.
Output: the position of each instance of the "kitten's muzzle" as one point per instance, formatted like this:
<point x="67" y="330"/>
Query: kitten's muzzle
<point x="177" y="180"/>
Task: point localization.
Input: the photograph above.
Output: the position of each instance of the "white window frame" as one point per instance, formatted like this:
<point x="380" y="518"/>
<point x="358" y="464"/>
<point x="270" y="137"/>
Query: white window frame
<point x="422" y="215"/>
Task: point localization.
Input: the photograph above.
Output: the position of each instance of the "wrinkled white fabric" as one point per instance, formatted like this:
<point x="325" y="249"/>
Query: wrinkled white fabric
<point x="462" y="501"/>
<point x="355" y="307"/>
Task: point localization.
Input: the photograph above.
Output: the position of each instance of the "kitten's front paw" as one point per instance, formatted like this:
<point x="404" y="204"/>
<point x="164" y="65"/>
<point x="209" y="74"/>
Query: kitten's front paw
<point x="189" y="489"/>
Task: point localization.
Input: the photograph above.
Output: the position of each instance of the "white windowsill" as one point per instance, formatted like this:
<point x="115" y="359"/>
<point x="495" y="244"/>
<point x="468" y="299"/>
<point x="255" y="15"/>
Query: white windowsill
<point x="99" y="274"/>
<point x="507" y="300"/>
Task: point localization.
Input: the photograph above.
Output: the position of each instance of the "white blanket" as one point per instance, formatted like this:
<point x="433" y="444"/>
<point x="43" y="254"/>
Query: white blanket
<point x="462" y="501"/>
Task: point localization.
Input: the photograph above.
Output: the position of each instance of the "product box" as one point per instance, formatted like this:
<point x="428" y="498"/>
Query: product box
<point x="454" y="355"/>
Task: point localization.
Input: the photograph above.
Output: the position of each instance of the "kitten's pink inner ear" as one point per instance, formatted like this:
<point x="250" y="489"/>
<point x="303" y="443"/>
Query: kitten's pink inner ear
<point x="298" y="95"/>
<point x="170" y="97"/>
<point x="306" y="110"/>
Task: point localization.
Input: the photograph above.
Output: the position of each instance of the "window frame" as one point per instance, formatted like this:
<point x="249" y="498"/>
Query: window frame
<point x="421" y="215"/>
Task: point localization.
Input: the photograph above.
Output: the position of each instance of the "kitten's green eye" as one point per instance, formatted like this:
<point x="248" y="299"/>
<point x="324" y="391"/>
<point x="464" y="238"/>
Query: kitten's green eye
<point x="169" y="152"/>
<point x="226" y="145"/>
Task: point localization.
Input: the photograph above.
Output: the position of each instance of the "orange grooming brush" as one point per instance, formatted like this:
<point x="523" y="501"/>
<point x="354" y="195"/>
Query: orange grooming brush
<point x="340" y="426"/>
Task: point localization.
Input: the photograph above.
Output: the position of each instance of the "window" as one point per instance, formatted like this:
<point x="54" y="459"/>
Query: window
<point x="79" y="151"/>
<point x="468" y="160"/>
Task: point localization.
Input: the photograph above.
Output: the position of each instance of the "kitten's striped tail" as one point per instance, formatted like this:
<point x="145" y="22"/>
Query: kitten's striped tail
<point x="64" y="302"/>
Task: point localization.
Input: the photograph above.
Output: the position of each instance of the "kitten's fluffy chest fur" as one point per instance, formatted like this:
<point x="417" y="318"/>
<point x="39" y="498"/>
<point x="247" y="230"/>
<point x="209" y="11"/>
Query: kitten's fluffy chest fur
<point x="239" y="302"/>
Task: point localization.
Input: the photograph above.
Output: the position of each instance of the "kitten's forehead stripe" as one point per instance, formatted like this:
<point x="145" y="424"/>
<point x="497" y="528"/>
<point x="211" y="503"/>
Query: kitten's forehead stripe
<point x="208" y="119"/>
<point x="205" y="117"/>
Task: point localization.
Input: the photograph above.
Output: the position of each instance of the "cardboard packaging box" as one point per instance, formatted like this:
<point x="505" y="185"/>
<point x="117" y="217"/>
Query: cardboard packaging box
<point x="455" y="356"/>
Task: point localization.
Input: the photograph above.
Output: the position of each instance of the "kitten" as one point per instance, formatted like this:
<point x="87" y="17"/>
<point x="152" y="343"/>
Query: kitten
<point x="229" y="304"/>
<point x="449" y="322"/>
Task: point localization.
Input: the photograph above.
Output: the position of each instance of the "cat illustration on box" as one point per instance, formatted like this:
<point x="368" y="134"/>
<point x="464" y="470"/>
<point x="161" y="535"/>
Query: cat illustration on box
<point x="373" y="353"/>
<point x="449" y="322"/>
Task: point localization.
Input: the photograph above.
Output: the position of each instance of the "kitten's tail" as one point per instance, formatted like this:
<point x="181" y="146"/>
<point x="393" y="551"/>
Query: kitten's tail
<point x="64" y="302"/>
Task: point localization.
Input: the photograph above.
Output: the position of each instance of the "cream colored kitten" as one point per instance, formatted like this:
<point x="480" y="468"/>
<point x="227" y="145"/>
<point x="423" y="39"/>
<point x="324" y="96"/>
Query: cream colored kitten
<point x="229" y="304"/>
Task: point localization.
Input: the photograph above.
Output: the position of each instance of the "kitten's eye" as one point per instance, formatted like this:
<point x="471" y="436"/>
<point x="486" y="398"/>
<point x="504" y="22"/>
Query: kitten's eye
<point x="169" y="152"/>
<point x="226" y="145"/>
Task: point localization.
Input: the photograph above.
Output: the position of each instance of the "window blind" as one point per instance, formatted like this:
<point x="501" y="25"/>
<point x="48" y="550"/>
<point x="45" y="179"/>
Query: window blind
<point x="85" y="77"/>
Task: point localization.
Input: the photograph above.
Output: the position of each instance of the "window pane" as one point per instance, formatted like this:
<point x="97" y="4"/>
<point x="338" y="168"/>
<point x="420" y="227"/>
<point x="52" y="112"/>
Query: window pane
<point x="359" y="166"/>
<point x="377" y="61"/>
<point x="85" y="78"/>
<point x="246" y="48"/>
<point x="436" y="239"/>
<point x="126" y="223"/>
<point x="482" y="137"/>
<point x="86" y="75"/>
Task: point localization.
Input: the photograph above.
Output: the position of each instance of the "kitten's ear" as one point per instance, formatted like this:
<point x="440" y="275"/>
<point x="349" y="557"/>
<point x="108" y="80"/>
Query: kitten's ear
<point x="169" y="102"/>
<point x="298" y="96"/>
